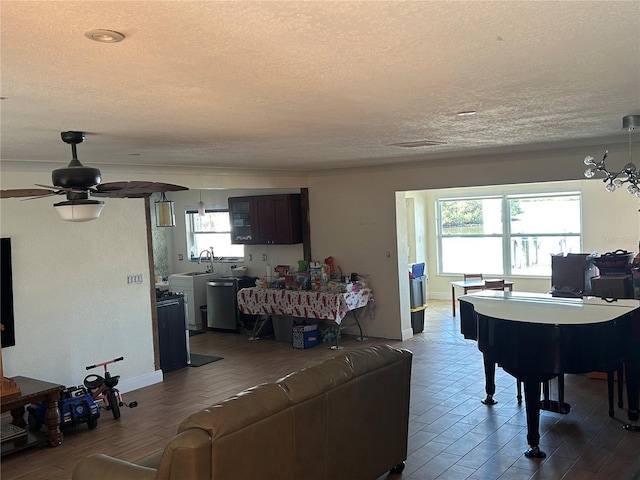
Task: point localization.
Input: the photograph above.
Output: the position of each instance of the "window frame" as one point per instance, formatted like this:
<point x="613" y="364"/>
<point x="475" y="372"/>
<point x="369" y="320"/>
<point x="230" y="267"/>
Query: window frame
<point x="507" y="236"/>
<point x="190" y="233"/>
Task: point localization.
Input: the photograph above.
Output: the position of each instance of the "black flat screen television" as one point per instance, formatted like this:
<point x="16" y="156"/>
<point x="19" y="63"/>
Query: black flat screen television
<point x="6" y="294"/>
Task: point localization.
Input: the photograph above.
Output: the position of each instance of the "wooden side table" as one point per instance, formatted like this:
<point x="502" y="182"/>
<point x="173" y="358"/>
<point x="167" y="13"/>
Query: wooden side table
<point x="31" y="391"/>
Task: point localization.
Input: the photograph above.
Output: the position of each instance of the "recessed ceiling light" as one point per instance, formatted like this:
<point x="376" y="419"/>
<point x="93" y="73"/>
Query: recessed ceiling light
<point x="104" y="36"/>
<point x="467" y="113"/>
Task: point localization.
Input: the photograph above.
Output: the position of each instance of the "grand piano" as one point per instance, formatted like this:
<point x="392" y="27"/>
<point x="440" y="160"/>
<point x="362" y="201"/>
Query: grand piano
<point x="536" y="337"/>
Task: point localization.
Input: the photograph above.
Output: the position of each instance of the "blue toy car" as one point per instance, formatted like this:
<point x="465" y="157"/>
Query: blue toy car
<point x="76" y="407"/>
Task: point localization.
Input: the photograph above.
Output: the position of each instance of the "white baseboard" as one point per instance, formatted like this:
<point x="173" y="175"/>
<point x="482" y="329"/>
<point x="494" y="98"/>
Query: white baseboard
<point x="140" y="382"/>
<point x="407" y="334"/>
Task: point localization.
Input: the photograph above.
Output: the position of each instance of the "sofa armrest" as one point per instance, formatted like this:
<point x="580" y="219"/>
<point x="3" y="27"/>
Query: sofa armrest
<point x="99" y="467"/>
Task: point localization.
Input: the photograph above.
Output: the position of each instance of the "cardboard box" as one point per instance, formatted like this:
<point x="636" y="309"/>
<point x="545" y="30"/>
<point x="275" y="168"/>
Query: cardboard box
<point x="612" y="287"/>
<point x="574" y="270"/>
<point x="305" y="336"/>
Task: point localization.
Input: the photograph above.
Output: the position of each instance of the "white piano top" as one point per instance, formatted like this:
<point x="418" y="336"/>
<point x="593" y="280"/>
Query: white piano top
<point x="543" y="308"/>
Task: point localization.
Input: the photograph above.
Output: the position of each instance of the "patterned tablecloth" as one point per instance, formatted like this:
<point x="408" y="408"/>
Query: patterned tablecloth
<point x="300" y="303"/>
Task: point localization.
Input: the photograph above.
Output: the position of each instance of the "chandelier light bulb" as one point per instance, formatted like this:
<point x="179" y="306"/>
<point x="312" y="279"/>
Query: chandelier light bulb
<point x="588" y="160"/>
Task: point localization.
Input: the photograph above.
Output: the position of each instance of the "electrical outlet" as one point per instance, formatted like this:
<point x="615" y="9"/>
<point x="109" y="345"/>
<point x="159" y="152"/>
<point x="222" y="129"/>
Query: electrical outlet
<point x="180" y="257"/>
<point x="264" y="257"/>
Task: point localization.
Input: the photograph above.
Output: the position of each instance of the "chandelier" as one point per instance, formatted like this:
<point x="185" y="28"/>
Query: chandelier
<point x="629" y="173"/>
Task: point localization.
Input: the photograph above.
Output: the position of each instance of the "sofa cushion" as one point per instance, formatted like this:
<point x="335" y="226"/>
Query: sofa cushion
<point x="239" y="411"/>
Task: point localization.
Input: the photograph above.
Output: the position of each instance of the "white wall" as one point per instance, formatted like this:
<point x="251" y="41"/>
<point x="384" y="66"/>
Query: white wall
<point x="73" y="306"/>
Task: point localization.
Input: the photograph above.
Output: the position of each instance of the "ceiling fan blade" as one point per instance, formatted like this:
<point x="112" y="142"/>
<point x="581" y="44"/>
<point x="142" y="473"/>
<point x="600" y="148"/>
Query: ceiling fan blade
<point x="27" y="192"/>
<point x="133" y="189"/>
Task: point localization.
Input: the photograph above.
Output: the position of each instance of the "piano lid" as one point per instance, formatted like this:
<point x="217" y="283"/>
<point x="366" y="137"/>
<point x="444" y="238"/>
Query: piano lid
<point x="545" y="309"/>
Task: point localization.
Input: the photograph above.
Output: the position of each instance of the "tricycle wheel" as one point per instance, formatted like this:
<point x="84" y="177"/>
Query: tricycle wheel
<point x="112" y="398"/>
<point x="92" y="423"/>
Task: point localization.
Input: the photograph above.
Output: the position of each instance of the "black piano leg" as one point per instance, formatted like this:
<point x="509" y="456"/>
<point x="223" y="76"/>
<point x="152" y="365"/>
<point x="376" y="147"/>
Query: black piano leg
<point x="633" y="395"/>
<point x="532" y="403"/>
<point x="489" y="380"/>
<point x="610" y="382"/>
<point x="620" y="384"/>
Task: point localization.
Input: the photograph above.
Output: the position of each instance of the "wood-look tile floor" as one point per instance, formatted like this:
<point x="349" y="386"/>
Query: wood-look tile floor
<point x="452" y="435"/>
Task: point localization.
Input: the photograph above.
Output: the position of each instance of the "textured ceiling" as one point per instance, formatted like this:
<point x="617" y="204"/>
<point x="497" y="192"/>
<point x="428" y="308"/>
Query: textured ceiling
<point x="313" y="85"/>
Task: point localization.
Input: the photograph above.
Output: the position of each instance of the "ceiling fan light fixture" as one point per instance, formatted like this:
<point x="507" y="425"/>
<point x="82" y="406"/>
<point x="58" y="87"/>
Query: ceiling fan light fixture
<point x="104" y="36"/>
<point x="165" y="215"/>
<point x="79" y="210"/>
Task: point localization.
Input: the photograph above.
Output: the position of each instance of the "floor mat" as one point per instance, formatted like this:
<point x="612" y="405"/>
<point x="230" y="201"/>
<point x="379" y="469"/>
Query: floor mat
<point x="198" y="360"/>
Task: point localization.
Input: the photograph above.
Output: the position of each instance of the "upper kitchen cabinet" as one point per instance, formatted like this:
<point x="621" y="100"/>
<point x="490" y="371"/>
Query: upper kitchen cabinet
<point x="266" y="219"/>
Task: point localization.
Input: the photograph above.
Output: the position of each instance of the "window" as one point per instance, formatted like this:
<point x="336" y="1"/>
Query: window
<point x="507" y="234"/>
<point x="211" y="230"/>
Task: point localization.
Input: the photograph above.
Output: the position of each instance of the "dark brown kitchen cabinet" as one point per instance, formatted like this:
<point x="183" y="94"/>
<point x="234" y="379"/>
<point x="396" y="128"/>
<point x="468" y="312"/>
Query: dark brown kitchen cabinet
<point x="266" y="219"/>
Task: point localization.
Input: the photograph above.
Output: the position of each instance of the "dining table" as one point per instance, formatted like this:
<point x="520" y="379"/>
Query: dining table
<point x="316" y="304"/>
<point x="471" y="284"/>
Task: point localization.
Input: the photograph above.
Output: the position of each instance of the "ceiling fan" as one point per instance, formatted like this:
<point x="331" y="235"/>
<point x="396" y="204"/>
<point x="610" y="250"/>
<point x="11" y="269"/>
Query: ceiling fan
<point x="80" y="183"/>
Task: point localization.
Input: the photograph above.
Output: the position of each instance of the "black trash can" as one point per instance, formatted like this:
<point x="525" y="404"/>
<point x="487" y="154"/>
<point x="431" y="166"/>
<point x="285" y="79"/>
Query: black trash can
<point x="417" y="319"/>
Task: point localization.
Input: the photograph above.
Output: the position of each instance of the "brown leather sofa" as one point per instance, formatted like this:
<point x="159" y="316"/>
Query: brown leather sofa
<point x="346" y="418"/>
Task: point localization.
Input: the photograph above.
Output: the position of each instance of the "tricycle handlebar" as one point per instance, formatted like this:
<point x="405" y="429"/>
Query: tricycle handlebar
<point x="102" y="364"/>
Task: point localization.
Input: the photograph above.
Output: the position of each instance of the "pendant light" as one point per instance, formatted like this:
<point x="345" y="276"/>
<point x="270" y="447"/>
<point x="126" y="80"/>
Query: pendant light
<point x="201" y="211"/>
<point x="165" y="216"/>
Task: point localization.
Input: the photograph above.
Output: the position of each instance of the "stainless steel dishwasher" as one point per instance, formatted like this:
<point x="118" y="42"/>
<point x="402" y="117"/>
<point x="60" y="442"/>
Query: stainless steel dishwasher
<point x="222" y="302"/>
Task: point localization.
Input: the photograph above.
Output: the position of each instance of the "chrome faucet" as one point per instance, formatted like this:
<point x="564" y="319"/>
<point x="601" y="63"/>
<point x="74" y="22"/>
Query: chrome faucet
<point x="209" y="255"/>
